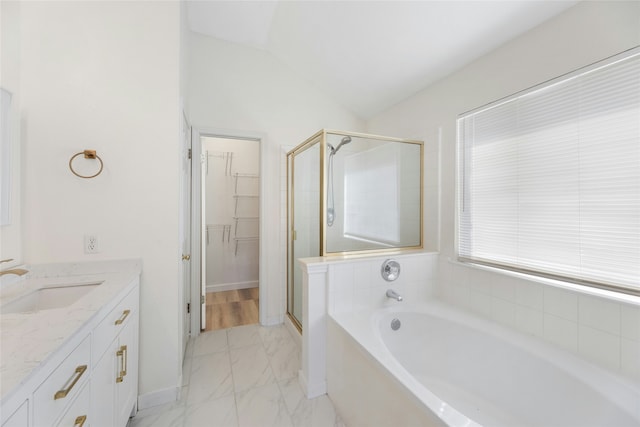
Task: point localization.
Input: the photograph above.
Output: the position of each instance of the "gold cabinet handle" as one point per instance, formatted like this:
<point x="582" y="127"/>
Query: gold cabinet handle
<point x="80" y="421"/>
<point x="60" y="394"/>
<point x="124" y="316"/>
<point x="186" y="257"/>
<point x="122" y="354"/>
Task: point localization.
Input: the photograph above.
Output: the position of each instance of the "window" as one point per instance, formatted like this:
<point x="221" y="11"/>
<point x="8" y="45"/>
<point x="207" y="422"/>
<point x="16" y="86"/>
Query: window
<point x="549" y="179"/>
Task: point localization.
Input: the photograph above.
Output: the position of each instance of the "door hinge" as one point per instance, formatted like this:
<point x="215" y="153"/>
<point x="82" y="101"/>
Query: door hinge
<point x="201" y="299"/>
<point x="188" y="307"/>
<point x="189" y="153"/>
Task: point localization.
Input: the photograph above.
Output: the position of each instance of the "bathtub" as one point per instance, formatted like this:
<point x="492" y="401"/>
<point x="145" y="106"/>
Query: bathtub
<point x="446" y="367"/>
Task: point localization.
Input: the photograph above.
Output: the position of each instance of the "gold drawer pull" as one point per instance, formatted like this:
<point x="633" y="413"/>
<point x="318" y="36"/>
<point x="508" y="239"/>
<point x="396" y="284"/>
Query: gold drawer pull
<point x="124" y="316"/>
<point x="122" y="354"/>
<point x="80" y="421"/>
<point x="60" y="394"/>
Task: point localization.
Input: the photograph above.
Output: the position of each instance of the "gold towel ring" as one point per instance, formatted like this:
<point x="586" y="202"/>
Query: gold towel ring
<point x="88" y="154"/>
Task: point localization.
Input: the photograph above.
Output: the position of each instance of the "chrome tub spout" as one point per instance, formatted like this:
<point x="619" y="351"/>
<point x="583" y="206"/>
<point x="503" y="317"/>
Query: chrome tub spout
<point x="394" y="295"/>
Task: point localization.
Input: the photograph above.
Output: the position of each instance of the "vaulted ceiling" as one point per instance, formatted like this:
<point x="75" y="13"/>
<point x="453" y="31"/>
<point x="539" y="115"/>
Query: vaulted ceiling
<point x="370" y="55"/>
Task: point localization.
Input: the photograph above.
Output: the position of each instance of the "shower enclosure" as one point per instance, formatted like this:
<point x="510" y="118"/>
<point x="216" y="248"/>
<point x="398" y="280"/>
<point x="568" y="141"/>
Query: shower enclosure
<point x="350" y="193"/>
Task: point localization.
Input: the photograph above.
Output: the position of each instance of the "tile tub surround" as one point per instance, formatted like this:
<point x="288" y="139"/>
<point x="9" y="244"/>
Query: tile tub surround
<point x="601" y="327"/>
<point x="241" y="376"/>
<point x="348" y="283"/>
<point x="28" y="339"/>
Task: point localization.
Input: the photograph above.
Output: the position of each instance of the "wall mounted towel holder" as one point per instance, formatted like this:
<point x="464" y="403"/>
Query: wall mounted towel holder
<point x="88" y="154"/>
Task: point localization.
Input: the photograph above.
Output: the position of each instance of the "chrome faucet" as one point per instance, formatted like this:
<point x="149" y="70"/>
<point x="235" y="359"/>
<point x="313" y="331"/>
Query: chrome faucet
<point x="393" y="295"/>
<point x="16" y="271"/>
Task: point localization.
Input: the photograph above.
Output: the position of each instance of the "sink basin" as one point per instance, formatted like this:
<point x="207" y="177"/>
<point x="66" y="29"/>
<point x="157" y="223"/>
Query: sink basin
<point x="48" y="298"/>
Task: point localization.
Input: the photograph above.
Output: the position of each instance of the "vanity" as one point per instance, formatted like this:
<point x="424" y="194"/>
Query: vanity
<point x="69" y="345"/>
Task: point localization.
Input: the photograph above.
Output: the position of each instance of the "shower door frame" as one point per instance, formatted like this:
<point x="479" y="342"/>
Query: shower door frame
<point x="306" y="145"/>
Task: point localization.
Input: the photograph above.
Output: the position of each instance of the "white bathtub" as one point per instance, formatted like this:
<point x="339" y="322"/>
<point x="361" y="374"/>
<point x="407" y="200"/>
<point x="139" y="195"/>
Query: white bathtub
<point x="445" y="367"/>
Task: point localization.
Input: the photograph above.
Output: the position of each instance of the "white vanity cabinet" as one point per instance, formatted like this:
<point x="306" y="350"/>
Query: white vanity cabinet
<point x="115" y="372"/>
<point x="91" y="379"/>
<point x="19" y="418"/>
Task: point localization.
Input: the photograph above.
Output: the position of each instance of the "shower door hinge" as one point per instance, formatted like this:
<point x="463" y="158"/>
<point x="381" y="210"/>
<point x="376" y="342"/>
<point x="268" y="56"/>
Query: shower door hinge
<point x="201" y="299"/>
<point x="189" y="153"/>
<point x="188" y="307"/>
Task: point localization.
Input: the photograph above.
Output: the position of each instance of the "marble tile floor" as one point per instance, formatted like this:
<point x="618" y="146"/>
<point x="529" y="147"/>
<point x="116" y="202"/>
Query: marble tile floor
<point x="244" y="376"/>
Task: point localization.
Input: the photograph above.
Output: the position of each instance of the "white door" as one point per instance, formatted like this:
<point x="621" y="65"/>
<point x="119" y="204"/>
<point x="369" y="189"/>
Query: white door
<point x="186" y="231"/>
<point x="203" y="243"/>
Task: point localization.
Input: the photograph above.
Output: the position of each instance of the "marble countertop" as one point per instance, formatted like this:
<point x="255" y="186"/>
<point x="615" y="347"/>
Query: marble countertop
<point x="29" y="339"/>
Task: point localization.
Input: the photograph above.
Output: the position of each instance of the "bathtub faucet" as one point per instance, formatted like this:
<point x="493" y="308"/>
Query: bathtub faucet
<point x="393" y="295"/>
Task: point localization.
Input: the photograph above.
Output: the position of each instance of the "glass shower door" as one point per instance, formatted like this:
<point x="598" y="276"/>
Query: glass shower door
<point x="304" y="227"/>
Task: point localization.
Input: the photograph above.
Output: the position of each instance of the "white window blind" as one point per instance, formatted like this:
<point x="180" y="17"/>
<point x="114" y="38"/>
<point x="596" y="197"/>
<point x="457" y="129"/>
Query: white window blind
<point x="549" y="179"/>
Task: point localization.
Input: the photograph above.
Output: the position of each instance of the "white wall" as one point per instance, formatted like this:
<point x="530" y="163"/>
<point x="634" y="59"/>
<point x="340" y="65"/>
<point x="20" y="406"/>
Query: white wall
<point x="586" y="33"/>
<point x="248" y="90"/>
<point x="105" y="76"/>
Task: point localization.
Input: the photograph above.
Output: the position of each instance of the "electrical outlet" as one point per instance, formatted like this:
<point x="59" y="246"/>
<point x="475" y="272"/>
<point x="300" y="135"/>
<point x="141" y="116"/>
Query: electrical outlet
<point x="91" y="244"/>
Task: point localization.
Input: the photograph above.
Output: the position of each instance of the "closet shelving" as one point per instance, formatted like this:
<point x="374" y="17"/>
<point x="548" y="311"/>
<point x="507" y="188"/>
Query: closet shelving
<point x="225" y="228"/>
<point x="246" y="208"/>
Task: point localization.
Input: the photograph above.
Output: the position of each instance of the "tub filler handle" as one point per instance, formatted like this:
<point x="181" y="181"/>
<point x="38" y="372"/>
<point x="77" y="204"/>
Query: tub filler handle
<point x="390" y="270"/>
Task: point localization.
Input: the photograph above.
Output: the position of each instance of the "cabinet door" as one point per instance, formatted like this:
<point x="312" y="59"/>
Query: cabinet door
<point x="20" y="418"/>
<point x="127" y="366"/>
<point x="103" y="383"/>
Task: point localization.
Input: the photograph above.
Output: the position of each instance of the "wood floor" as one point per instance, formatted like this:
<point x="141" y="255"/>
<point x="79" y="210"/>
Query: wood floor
<point x="231" y="308"/>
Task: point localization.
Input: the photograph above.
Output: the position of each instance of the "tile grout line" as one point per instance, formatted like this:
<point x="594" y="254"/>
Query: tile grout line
<point x="233" y="379"/>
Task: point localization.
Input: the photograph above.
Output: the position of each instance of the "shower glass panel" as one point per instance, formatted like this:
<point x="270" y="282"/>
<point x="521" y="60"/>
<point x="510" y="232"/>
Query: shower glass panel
<point x="373" y="194"/>
<point x="351" y="193"/>
<point x="304" y="214"/>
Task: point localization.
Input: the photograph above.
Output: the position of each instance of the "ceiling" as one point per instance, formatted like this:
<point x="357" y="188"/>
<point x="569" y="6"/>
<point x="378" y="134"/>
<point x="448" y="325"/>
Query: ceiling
<point x="370" y="55"/>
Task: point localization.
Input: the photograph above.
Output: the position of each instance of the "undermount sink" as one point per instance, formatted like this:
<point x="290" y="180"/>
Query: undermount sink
<point x="47" y="298"/>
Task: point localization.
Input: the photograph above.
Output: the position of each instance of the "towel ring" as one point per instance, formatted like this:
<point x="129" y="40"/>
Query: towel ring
<point x="88" y="154"/>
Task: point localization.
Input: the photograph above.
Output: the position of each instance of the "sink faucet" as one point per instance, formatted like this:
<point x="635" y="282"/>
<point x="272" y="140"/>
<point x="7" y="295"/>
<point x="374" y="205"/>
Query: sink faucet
<point x="393" y="295"/>
<point x="16" y="271"/>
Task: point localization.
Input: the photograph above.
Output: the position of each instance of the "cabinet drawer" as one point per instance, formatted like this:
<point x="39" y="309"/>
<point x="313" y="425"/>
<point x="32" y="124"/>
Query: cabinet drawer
<point x="113" y="323"/>
<point x="60" y="388"/>
<point x="78" y="413"/>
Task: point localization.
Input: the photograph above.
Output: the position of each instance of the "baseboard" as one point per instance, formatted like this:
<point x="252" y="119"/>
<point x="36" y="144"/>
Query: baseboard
<point x="311" y="390"/>
<point x="159" y="397"/>
<point x="231" y="286"/>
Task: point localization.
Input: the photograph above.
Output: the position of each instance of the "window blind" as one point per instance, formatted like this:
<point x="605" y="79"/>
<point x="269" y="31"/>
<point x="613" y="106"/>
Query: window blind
<point x="549" y="179"/>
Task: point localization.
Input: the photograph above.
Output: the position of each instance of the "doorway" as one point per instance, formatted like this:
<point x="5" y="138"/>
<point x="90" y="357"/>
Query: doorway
<point x="230" y="233"/>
